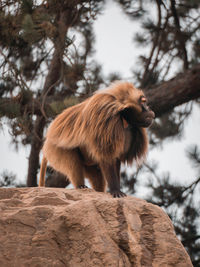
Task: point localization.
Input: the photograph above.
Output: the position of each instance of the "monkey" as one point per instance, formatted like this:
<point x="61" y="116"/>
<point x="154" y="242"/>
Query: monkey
<point x="93" y="138"/>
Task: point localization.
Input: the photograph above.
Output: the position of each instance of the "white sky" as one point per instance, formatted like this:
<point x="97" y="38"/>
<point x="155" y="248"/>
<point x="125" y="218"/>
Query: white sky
<point x="116" y="52"/>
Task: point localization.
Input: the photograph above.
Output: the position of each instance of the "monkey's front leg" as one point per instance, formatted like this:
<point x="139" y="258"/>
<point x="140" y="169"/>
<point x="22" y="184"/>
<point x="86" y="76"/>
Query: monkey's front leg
<point x="110" y="173"/>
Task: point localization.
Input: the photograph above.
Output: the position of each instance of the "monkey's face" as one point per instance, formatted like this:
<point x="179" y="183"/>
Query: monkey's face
<point x="138" y="113"/>
<point x="146" y="116"/>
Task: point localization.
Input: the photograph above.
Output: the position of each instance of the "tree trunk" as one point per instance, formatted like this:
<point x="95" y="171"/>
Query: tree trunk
<point x="53" y="77"/>
<point x="36" y="144"/>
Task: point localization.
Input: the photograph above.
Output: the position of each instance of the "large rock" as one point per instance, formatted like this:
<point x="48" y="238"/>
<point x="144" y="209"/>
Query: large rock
<point x="62" y="227"/>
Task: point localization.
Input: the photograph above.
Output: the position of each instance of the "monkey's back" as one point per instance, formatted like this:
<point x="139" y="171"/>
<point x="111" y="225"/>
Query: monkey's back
<point x="96" y="125"/>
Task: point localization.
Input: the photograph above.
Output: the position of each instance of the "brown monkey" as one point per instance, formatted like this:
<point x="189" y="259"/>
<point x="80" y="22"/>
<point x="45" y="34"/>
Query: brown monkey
<point x="91" y="139"/>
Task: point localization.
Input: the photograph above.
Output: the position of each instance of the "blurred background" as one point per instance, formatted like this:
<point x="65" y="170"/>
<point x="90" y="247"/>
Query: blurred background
<point x="54" y="54"/>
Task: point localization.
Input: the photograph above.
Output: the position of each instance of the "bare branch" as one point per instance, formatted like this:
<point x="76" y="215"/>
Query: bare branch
<point x="180" y="34"/>
<point x="179" y="90"/>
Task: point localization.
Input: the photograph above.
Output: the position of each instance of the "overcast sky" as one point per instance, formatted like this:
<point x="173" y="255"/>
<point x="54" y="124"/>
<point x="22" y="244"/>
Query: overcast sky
<point x="116" y="52"/>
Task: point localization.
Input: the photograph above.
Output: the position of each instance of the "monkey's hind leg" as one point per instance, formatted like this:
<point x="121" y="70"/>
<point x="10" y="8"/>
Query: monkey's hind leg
<point x="43" y="168"/>
<point x="68" y="162"/>
<point x="97" y="181"/>
<point x="72" y="166"/>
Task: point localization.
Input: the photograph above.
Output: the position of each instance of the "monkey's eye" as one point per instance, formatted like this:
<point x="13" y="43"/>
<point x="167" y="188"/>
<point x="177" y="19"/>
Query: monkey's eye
<point x="143" y="99"/>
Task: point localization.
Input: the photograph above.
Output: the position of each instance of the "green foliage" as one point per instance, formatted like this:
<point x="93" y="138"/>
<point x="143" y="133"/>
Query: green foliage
<point x="150" y="79"/>
<point x="9" y="30"/>
<point x="27" y="6"/>
<point x="140" y="39"/>
<point x="70" y="101"/>
<point x="114" y="77"/>
<point x="129" y="182"/>
<point x="193" y="154"/>
<point x="187" y="229"/>
<point x="10" y="110"/>
<point x="26" y="96"/>
<point x="134" y="9"/>
<point x="150" y="26"/>
<point x="181" y="202"/>
<point x="165" y="193"/>
<point x="166" y="127"/>
<point x="30" y="34"/>
<point x="57" y="107"/>
<point x="7" y="179"/>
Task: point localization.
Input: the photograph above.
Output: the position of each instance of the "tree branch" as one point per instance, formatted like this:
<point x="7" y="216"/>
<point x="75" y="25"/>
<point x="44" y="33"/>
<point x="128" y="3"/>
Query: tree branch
<point x="179" y="90"/>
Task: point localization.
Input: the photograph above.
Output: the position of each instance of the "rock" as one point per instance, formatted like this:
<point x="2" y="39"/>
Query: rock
<point x="63" y="227"/>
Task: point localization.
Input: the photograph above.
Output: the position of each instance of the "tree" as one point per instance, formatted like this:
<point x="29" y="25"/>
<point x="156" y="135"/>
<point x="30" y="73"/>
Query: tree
<point x="40" y="60"/>
<point x="47" y="64"/>
<point x="170" y="38"/>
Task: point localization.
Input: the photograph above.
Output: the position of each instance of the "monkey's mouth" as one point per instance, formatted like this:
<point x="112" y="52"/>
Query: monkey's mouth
<point x="148" y="120"/>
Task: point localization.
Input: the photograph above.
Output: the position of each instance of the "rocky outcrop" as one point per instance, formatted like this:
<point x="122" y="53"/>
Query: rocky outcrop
<point x="63" y="227"/>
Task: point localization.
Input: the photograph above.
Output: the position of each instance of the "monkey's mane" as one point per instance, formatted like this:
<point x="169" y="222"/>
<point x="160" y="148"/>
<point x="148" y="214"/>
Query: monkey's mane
<point x="96" y="123"/>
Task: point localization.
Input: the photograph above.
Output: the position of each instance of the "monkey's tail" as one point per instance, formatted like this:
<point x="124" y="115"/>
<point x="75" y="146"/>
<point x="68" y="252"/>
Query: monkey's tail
<point x="43" y="171"/>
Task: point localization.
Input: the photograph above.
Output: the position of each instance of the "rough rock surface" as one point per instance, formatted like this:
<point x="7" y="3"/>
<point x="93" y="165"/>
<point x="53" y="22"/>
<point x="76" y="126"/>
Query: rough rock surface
<point x="63" y="227"/>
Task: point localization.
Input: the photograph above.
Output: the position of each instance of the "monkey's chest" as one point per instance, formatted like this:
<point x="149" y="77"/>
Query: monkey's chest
<point x="128" y="140"/>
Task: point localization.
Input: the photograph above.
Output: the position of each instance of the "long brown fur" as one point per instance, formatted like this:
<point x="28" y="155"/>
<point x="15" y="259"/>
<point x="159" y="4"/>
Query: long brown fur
<point x="93" y="132"/>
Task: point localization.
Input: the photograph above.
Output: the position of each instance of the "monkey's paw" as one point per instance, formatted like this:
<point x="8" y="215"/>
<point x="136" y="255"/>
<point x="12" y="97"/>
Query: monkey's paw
<point x="117" y="194"/>
<point x="82" y="186"/>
